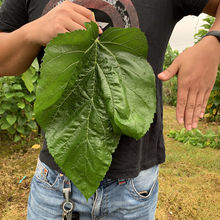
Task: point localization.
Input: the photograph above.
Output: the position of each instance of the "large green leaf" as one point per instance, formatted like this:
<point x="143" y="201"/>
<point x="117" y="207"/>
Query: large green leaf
<point x="125" y="51"/>
<point x="90" y="92"/>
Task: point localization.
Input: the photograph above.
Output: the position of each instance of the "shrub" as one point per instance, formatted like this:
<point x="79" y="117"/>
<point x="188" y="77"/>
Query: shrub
<point x="213" y="106"/>
<point x="170" y="86"/>
<point x="17" y="94"/>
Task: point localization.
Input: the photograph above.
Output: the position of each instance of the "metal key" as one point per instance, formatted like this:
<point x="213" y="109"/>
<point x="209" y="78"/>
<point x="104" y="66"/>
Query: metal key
<point x="67" y="216"/>
<point x="68" y="207"/>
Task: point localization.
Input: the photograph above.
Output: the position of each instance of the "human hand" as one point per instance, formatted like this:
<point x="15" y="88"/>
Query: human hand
<point x="66" y="17"/>
<point x="197" y="69"/>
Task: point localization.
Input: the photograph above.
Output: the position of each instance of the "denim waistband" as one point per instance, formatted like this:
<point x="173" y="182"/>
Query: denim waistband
<point x="106" y="182"/>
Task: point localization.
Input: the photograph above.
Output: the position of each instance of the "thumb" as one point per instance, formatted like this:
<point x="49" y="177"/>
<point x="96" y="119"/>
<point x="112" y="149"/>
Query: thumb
<point x="171" y="71"/>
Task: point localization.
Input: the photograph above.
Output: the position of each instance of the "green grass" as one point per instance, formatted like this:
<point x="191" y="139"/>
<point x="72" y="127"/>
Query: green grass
<point x="189" y="180"/>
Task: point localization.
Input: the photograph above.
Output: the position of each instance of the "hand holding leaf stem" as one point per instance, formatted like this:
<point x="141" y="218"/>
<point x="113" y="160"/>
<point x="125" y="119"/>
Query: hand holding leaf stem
<point x="21" y="46"/>
<point x="197" y="69"/>
<point x="66" y="17"/>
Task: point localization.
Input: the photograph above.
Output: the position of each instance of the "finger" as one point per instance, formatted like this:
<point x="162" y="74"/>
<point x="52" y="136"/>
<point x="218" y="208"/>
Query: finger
<point x="88" y="14"/>
<point x="182" y="95"/>
<point x="171" y="71"/>
<point x="65" y="30"/>
<point x="83" y="11"/>
<point x="60" y="30"/>
<point x="72" y="26"/>
<point x="197" y="110"/>
<point x="205" y="101"/>
<point x="189" y="110"/>
<point x="75" y="24"/>
<point x="81" y="19"/>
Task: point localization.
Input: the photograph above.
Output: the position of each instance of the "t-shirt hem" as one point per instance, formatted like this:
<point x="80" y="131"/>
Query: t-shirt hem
<point x="132" y="173"/>
<point x="113" y="174"/>
<point x="46" y="158"/>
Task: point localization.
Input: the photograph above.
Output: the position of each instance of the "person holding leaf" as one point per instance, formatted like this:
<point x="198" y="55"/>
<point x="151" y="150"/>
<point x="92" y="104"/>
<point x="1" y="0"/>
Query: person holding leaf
<point x="130" y="187"/>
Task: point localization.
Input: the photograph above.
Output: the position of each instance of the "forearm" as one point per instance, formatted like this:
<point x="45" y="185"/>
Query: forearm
<point x="19" y="48"/>
<point x="17" y="51"/>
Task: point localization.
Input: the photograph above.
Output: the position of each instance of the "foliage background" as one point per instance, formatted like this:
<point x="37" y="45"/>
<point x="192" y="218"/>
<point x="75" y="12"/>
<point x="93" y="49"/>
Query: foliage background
<point x="17" y="96"/>
<point x="170" y="86"/>
<point x="213" y="106"/>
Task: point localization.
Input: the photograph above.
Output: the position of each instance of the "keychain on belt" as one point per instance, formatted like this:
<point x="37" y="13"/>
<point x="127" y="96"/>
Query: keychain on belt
<point x="68" y="205"/>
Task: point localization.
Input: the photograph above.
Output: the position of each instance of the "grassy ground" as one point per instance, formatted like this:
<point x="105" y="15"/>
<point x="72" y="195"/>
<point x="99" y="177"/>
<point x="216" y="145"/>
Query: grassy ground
<point x="189" y="180"/>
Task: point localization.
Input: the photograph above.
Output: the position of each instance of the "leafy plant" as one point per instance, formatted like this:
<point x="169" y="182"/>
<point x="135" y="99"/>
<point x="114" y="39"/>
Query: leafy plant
<point x="170" y="56"/>
<point x="170" y="86"/>
<point x="17" y="94"/>
<point x="208" y="22"/>
<point x="197" y="138"/>
<point x="213" y="106"/>
<point x="90" y="92"/>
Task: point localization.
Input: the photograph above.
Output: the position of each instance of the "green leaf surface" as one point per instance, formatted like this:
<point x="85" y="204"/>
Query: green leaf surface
<point x="29" y="115"/>
<point x="21" y="121"/>
<point x="11" y="130"/>
<point x="17" y="87"/>
<point x="9" y="95"/>
<point x="17" y="138"/>
<point x="32" y="125"/>
<point x="20" y="129"/>
<point x="11" y="119"/>
<point x="6" y="106"/>
<point x="27" y="78"/>
<point x="4" y="123"/>
<point x="19" y="94"/>
<point x="35" y="65"/>
<point x="2" y="111"/>
<point x="90" y="92"/>
<point x="30" y="97"/>
<point x="5" y="126"/>
<point x="21" y="105"/>
<point x="217" y="101"/>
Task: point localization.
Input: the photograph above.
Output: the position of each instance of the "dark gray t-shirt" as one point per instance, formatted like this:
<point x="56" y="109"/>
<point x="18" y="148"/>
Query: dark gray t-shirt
<point x="156" y="18"/>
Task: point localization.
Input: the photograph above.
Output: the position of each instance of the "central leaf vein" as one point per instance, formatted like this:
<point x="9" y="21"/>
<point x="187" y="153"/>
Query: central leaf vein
<point x="88" y="119"/>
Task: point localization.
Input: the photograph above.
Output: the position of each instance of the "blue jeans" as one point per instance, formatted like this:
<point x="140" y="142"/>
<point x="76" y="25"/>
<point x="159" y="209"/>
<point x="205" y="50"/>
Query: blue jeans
<point x="115" y="199"/>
